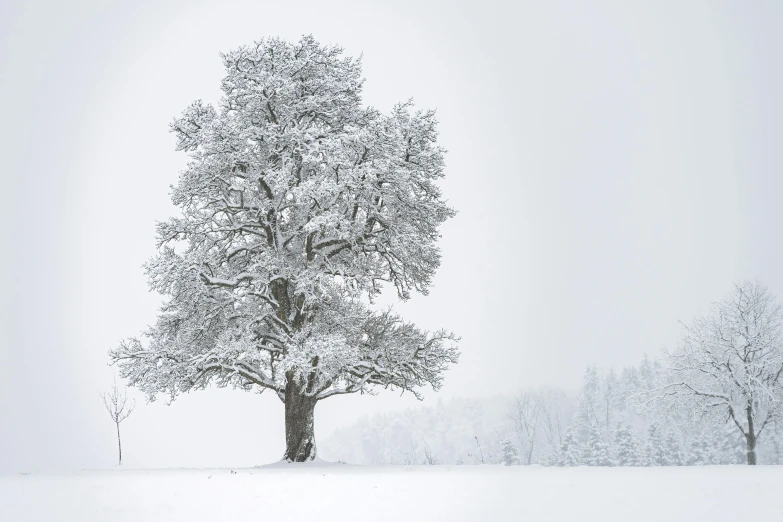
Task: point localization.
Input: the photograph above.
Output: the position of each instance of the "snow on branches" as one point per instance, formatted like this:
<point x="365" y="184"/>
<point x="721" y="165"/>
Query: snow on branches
<point x="730" y="362"/>
<point x="297" y="205"/>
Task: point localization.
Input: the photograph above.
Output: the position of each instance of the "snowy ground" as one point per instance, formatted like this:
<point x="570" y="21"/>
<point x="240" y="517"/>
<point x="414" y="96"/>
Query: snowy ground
<point x="449" y="493"/>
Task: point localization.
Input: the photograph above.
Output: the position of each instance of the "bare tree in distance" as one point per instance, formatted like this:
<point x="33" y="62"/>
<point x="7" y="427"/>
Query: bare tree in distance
<point x="481" y="451"/>
<point x="611" y="402"/>
<point x="589" y="400"/>
<point x="429" y="457"/>
<point x="729" y="364"/>
<point x="525" y="413"/>
<point x="551" y="410"/>
<point x="119" y="409"/>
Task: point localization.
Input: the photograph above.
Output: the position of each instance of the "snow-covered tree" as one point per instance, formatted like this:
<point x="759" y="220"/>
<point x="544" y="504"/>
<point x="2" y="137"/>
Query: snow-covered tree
<point x="570" y="451"/>
<point x="729" y="364"/>
<point x="595" y="451"/>
<point x="600" y="402"/>
<point x="297" y="206"/>
<point x="630" y="382"/>
<point x="649" y="373"/>
<point x="699" y="451"/>
<point x="656" y="453"/>
<point x="509" y="453"/>
<point x="672" y="450"/>
<point x="628" y="451"/>
<point x="611" y="401"/>
<point x="588" y="401"/>
<point x="550" y="458"/>
<point x="728" y="445"/>
<point x="776" y="446"/>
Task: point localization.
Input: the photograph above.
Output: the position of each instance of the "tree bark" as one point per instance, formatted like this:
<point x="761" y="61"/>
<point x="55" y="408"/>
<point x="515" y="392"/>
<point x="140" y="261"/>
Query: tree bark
<point x="299" y="424"/>
<point x="299" y="407"/>
<point x="750" y="438"/>
<point x="751" y="450"/>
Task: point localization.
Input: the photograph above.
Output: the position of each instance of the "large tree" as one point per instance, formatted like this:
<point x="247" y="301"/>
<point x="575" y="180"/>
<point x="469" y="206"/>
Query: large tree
<point x="729" y="364"/>
<point x="297" y="207"/>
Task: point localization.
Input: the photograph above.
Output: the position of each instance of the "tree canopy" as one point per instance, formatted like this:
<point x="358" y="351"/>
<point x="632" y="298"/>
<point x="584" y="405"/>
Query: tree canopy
<point x="297" y="206"/>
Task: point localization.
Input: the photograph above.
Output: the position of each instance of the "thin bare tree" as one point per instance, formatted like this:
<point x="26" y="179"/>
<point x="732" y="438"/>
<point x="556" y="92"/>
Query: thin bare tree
<point x="552" y="411"/>
<point x="525" y="415"/>
<point x="429" y="457"/>
<point x="119" y="409"/>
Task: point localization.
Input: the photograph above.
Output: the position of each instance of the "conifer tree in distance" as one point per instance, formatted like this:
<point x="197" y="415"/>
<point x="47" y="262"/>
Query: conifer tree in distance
<point x="595" y="452"/>
<point x="656" y="455"/>
<point x="569" y="451"/>
<point x="628" y="451"/>
<point x="510" y="455"/>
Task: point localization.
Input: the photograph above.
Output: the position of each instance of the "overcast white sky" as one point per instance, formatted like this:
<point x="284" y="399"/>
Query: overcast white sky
<point x="616" y="166"/>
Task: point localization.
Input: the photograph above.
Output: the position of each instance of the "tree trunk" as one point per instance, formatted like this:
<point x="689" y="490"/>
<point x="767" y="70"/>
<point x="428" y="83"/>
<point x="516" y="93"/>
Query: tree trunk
<point x="751" y="440"/>
<point x="530" y="453"/>
<point x="750" y="437"/>
<point x="299" y="407"/>
<point x="119" y="445"/>
<point x="299" y="424"/>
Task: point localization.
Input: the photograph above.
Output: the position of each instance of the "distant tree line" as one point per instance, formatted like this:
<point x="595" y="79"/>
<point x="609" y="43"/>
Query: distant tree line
<point x="715" y="399"/>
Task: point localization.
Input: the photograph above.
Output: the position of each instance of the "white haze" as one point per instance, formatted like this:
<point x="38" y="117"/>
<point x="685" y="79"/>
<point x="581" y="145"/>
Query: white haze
<point x="615" y="166"/>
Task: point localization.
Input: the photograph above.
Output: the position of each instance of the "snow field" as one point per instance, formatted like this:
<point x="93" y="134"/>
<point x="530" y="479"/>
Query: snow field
<point x="431" y="493"/>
